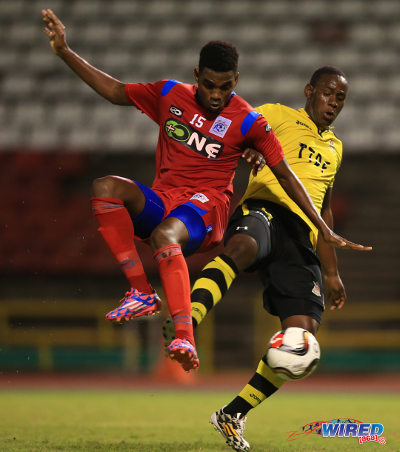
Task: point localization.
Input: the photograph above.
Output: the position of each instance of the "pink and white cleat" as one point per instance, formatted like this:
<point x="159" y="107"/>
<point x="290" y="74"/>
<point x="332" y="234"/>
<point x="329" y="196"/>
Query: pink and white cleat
<point x="184" y="352"/>
<point x="135" y="304"/>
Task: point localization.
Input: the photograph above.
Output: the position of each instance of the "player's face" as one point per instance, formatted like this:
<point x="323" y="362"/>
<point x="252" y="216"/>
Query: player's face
<point x="325" y="100"/>
<point x="215" y="88"/>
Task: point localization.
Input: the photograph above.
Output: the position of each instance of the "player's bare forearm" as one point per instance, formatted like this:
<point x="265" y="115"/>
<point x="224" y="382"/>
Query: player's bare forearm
<point x="108" y="87"/>
<point x="335" y="293"/>
<point x="105" y="85"/>
<point x="327" y="256"/>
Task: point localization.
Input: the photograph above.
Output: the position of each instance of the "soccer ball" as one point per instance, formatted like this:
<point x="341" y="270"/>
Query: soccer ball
<point x="293" y="353"/>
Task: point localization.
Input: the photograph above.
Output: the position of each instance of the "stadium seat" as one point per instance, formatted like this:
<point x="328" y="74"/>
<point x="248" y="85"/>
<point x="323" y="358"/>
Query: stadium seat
<point x="144" y="42"/>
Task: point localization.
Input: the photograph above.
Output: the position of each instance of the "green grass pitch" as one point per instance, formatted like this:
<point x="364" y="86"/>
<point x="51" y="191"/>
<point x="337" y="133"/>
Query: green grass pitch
<point x="162" y="420"/>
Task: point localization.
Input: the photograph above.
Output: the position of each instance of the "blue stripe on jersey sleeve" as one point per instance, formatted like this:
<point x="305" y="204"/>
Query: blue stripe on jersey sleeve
<point x="169" y="84"/>
<point x="248" y="121"/>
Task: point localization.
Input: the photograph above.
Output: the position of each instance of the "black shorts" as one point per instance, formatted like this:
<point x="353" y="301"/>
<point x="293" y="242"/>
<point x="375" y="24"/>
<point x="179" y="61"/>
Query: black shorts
<point x="286" y="261"/>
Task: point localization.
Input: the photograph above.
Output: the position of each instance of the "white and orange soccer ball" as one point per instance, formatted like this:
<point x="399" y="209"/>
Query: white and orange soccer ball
<point x="293" y="353"/>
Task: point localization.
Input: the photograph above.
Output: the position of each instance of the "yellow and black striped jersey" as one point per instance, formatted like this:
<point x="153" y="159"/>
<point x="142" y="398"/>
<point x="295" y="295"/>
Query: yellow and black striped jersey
<point x="314" y="157"/>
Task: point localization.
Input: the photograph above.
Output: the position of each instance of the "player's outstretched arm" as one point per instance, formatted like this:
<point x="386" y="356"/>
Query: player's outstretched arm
<point x="107" y="86"/>
<point x="295" y="189"/>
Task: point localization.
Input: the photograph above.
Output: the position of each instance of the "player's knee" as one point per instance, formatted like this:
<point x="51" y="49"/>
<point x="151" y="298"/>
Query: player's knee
<point x="104" y="187"/>
<point x="166" y="233"/>
<point x="242" y="249"/>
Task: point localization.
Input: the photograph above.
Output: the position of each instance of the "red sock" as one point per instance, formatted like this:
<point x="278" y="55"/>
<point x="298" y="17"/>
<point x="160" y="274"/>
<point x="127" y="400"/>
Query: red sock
<point x="176" y="284"/>
<point x="116" y="228"/>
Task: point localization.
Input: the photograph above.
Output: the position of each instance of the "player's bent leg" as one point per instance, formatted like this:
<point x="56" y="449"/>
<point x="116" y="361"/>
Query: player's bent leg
<point x="118" y="227"/>
<point x="265" y="382"/>
<point x="218" y="275"/>
<point x="247" y="242"/>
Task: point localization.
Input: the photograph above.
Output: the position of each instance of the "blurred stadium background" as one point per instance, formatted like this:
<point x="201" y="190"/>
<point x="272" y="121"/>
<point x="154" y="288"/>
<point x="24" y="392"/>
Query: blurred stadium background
<point x="56" y="135"/>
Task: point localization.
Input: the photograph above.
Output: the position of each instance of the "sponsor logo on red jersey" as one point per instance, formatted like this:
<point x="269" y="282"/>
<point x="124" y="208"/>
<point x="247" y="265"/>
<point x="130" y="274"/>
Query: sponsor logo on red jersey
<point x="193" y="139"/>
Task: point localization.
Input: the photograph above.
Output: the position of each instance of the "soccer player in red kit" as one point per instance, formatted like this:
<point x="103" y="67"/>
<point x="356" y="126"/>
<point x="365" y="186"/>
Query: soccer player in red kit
<point x="204" y="130"/>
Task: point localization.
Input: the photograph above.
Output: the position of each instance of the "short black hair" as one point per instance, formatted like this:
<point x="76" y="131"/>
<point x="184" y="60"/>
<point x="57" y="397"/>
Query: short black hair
<point x="325" y="70"/>
<point x="220" y="56"/>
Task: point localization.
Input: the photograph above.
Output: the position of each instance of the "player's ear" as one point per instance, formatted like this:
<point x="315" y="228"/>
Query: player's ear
<point x="308" y="90"/>
<point x="236" y="78"/>
<point x="196" y="74"/>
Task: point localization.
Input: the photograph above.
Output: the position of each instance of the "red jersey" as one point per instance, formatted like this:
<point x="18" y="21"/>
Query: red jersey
<point x="197" y="148"/>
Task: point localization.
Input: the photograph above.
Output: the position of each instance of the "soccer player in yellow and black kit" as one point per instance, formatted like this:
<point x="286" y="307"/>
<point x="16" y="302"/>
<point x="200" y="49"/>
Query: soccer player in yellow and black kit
<point x="270" y="234"/>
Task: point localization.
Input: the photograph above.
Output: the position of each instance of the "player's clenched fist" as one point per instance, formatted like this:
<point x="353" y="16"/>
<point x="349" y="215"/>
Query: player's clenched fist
<point x="55" y="30"/>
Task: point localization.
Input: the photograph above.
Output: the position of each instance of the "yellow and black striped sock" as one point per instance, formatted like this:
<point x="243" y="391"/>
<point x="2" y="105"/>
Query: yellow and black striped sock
<point x="211" y="285"/>
<point x="261" y="386"/>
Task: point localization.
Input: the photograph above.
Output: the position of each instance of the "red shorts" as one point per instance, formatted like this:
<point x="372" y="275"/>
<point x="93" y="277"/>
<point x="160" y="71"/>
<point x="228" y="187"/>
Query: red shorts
<point x="213" y="204"/>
